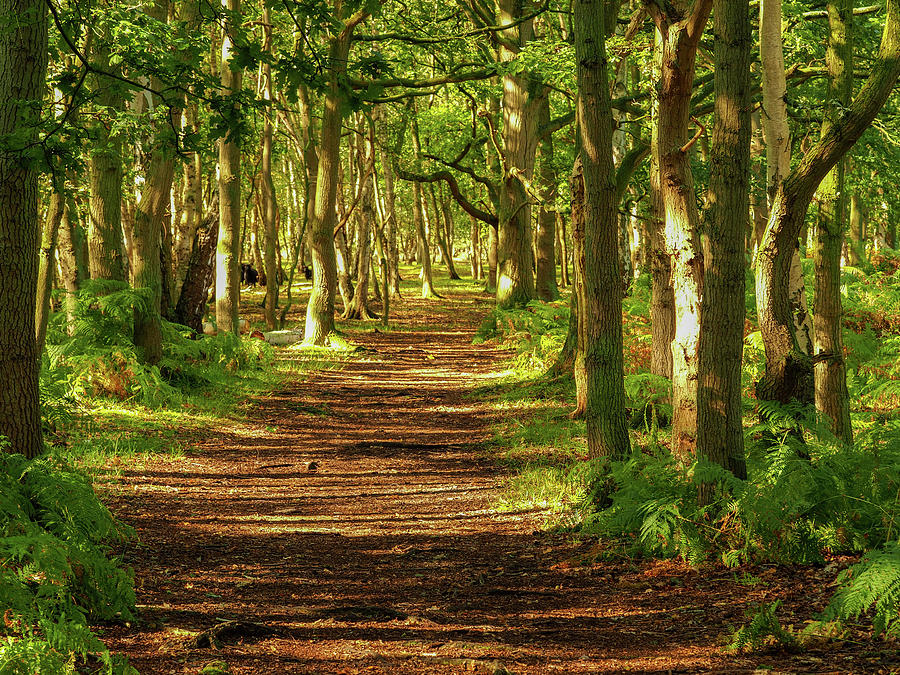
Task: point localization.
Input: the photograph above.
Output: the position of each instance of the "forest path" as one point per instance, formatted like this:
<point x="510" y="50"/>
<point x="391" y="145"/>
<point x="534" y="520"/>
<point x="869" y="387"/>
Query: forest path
<point x="389" y="557"/>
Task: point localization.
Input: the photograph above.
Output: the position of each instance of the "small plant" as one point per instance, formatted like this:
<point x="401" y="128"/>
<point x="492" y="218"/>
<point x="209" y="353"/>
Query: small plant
<point x="56" y="569"/>
<point x="872" y="584"/>
<point x="763" y="631"/>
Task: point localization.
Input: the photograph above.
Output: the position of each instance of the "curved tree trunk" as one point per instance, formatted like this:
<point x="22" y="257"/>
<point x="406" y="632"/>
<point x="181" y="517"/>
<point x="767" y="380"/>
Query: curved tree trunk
<point x="789" y="372"/>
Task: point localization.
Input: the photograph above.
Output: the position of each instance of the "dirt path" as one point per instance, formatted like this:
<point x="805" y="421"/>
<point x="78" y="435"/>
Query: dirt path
<point x="388" y="557"/>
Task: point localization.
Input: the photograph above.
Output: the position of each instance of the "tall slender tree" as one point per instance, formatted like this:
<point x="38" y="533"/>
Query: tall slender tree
<point x="607" y="431"/>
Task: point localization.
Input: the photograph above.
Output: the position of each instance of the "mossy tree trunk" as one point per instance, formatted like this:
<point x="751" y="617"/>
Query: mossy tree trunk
<point x="830" y="374"/>
<point x="720" y="431"/>
<point x="607" y="431"/>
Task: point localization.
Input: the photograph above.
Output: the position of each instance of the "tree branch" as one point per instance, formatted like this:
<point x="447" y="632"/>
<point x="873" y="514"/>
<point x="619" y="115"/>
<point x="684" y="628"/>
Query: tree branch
<point x="448" y="178"/>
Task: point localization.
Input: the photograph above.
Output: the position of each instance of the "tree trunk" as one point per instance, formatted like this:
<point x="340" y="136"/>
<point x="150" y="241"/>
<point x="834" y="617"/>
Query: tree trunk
<point x="545" y="239"/>
<point x="320" y="309"/>
<point x="720" y="431"/>
<point x="23" y="61"/>
<point x="71" y="238"/>
<point x="201" y="271"/>
<point x="269" y="205"/>
<point x="778" y="153"/>
<point x="830" y="374"/>
<point x="424" y="249"/>
<point x="228" y="252"/>
<point x="563" y="249"/>
<point x="682" y="233"/>
<point x="390" y="225"/>
<point x="857" y="225"/>
<point x="492" y="255"/>
<point x="522" y="95"/>
<point x="106" y="244"/>
<point x="789" y="372"/>
<point x="607" y="431"/>
<point x="576" y="185"/>
<point x="47" y="262"/>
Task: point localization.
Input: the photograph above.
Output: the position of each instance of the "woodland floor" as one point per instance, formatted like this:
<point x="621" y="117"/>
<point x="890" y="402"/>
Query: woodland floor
<point x="390" y="558"/>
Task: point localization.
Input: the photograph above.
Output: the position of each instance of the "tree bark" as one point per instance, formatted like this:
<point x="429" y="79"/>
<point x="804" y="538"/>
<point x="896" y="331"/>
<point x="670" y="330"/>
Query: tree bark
<point x="680" y="38"/>
<point x="228" y="253"/>
<point x="545" y="239"/>
<point x="662" y="296"/>
<point x="269" y="205"/>
<point x="23" y="62"/>
<point x="607" y="431"/>
<point x="47" y="262"/>
<point x="778" y="153"/>
<point x="201" y="271"/>
<point x="720" y="431"/>
<point x="106" y="244"/>
<point x="521" y="101"/>
<point x="320" y="308"/>
<point x="830" y="374"/>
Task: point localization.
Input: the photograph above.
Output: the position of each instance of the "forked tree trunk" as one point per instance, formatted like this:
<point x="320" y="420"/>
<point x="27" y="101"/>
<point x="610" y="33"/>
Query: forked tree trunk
<point x="23" y="61"/>
<point x="680" y="38"/>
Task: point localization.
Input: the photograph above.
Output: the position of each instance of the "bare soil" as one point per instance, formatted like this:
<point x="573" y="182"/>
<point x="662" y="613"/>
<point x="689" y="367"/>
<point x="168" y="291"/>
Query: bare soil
<point x="353" y="530"/>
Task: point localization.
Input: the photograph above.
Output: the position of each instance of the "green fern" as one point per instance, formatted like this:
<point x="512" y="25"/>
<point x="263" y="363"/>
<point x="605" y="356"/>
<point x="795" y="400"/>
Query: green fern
<point x="56" y="569"/>
<point x="872" y="584"/>
<point x="764" y="630"/>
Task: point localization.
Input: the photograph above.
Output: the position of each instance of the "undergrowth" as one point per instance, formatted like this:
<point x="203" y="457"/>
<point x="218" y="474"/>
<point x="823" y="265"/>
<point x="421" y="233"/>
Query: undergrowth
<point x="801" y="502"/>
<point x="56" y="570"/>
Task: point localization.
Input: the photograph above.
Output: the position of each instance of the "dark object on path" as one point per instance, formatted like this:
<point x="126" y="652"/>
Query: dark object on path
<point x="307" y="272"/>
<point x="231" y="632"/>
<point x="249" y="275"/>
<point x="312" y="466"/>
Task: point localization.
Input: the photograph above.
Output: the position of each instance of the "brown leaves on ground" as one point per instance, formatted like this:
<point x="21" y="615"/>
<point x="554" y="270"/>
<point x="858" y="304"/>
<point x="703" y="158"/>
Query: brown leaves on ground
<point x="354" y="532"/>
